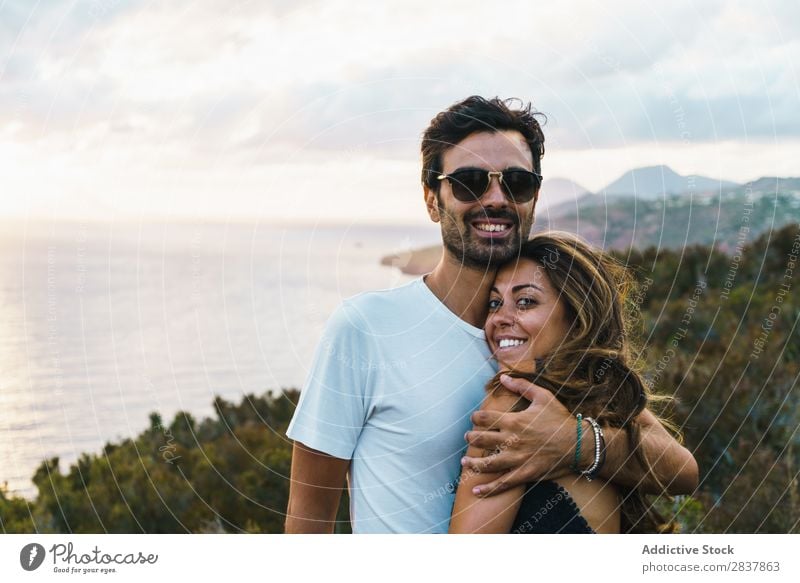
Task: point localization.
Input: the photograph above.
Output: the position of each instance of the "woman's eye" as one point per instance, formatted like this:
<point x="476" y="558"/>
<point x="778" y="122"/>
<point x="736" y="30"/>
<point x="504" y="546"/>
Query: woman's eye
<point x="525" y="302"/>
<point x="494" y="304"/>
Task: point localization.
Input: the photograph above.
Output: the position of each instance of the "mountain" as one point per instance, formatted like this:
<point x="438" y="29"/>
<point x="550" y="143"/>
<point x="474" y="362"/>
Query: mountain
<point x="556" y="191"/>
<point x="774" y="184"/>
<point x="727" y="218"/>
<point x="655" y="181"/>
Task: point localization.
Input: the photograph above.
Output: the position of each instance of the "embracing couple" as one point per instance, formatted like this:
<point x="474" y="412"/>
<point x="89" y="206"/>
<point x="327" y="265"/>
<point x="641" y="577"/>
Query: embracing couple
<point x="516" y="349"/>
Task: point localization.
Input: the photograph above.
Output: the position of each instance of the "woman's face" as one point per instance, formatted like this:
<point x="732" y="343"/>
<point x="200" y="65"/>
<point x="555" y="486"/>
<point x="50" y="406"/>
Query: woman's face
<point x="527" y="319"/>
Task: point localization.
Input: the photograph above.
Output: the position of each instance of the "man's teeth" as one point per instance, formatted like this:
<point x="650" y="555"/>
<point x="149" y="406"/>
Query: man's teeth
<point x="506" y="342"/>
<point x="491" y="227"/>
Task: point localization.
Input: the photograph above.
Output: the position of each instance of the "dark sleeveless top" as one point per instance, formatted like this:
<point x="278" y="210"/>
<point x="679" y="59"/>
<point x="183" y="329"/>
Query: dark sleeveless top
<point x="547" y="508"/>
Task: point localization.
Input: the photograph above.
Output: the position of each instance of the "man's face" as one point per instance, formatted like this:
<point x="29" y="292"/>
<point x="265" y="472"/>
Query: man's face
<point x="487" y="232"/>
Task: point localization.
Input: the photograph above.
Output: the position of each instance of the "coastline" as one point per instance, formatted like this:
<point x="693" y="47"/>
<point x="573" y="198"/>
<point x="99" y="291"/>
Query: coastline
<point x="416" y="261"/>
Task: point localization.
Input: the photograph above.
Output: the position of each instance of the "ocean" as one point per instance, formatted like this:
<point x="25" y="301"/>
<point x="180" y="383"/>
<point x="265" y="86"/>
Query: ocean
<point x="104" y="323"/>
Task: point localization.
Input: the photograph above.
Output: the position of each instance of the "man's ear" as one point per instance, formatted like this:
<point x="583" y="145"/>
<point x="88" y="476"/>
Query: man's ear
<point x="431" y="203"/>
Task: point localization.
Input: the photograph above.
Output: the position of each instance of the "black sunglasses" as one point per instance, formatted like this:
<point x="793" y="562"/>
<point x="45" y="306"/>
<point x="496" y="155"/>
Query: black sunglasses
<point x="470" y="184"/>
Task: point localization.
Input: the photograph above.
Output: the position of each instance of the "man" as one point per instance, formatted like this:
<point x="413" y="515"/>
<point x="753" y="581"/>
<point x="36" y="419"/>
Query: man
<point x="399" y="372"/>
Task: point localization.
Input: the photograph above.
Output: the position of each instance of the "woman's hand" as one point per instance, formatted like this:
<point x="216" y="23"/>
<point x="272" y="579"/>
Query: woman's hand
<point x="535" y="444"/>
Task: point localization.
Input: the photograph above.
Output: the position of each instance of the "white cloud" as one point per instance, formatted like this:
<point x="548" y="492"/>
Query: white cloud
<point x="179" y="98"/>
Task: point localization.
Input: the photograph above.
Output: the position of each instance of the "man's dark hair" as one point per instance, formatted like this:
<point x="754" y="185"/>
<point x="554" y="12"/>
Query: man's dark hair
<point x="478" y="114"/>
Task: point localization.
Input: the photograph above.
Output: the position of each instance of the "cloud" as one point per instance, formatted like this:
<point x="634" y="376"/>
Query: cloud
<point x="206" y="58"/>
<point x="100" y="87"/>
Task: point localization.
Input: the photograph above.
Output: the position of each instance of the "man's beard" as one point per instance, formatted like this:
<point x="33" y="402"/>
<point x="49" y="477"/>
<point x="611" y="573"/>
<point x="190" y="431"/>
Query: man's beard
<point x="479" y="253"/>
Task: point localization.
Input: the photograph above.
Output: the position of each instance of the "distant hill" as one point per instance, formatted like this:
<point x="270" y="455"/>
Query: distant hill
<point x="773" y="184"/>
<point x="728" y="219"/>
<point x="656" y="181"/>
<point x="557" y="191"/>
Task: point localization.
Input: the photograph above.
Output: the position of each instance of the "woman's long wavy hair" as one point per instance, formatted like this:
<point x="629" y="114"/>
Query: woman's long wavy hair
<point x="592" y="371"/>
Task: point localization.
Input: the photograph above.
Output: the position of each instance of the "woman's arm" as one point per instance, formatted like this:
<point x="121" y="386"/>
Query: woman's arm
<point x="485" y="515"/>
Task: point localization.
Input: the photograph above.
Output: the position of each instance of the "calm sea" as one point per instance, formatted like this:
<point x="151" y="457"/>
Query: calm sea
<point x="104" y="323"/>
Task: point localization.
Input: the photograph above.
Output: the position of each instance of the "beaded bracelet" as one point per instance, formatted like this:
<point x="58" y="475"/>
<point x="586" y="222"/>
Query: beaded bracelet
<point x="600" y="465"/>
<point x="599" y="451"/>
<point x="579" y="431"/>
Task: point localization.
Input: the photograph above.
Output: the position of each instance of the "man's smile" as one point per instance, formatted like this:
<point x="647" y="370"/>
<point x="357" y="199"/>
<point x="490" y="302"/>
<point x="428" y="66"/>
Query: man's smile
<point x="493" y="228"/>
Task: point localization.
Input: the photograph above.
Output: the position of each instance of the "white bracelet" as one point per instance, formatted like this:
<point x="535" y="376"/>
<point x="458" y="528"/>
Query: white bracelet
<point x="599" y="441"/>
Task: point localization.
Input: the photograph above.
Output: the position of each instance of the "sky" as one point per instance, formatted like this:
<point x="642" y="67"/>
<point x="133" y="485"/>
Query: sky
<point x="313" y="111"/>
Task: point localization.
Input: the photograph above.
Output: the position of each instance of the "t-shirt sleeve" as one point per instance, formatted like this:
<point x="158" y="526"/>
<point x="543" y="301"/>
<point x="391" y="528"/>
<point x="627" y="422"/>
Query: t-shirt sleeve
<point x="333" y="403"/>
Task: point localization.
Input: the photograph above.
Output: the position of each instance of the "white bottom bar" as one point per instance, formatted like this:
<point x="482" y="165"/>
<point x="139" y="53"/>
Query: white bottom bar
<point x="400" y="558"/>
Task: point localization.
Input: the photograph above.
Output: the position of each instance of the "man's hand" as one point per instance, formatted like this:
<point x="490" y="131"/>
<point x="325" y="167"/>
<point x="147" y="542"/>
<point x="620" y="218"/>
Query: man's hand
<point x="535" y="444"/>
<point x="539" y="444"/>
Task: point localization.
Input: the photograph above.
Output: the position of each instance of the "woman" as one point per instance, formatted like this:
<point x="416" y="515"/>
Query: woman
<point x="557" y="316"/>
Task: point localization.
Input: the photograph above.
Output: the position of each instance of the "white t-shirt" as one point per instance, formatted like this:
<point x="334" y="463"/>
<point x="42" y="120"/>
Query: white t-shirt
<point x="392" y="386"/>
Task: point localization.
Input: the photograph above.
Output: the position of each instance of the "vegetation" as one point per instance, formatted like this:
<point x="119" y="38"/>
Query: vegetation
<point x="227" y="474"/>
<point x="723" y="336"/>
<point x="720" y="332"/>
<point x="724" y="219"/>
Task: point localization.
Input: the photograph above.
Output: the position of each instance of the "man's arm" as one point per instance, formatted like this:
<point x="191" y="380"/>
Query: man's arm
<point x="542" y="446"/>
<point x="673" y="465"/>
<point x="315" y="490"/>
